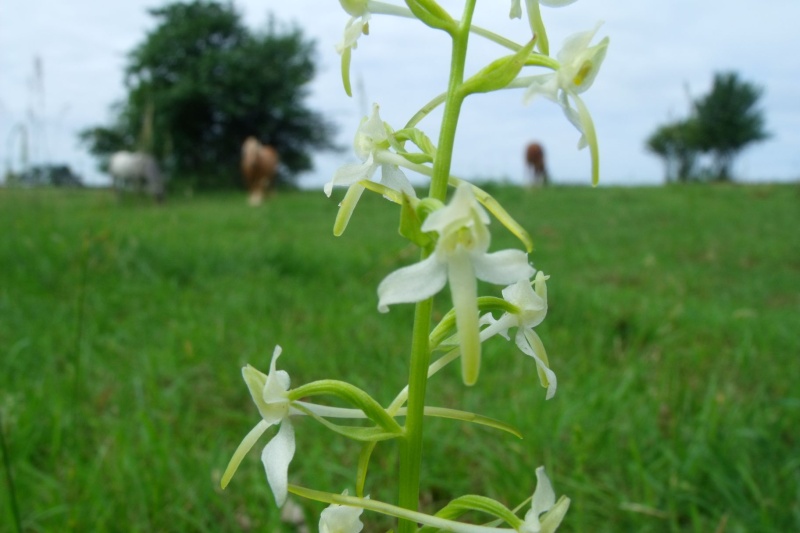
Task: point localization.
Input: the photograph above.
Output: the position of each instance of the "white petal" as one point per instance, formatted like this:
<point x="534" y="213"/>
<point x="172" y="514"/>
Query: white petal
<point x="371" y="132"/>
<point x="503" y="268"/>
<point x="552" y="519"/>
<point x="412" y="283"/>
<point x="340" y="519"/>
<point x="462" y="210"/>
<point x="351" y="173"/>
<point x="277" y="455"/>
<point x="393" y="177"/>
<point x="574" y="117"/>
<point x="543" y="497"/>
<point x="556" y="3"/>
<point x="352" y="31"/>
<point x="530" y="344"/>
<point x="575" y="44"/>
<point x="544" y="84"/>
<point x="496" y="327"/>
<point x="533" y="308"/>
<point x="516" y="10"/>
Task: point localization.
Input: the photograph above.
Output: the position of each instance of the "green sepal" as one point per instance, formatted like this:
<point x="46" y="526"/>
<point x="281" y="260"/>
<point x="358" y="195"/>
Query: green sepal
<point x="497" y="74"/>
<point x="432" y="14"/>
<point x="352" y="395"/>
<point x="410" y="224"/>
<point x="498" y="211"/>
<point x="447" y="325"/>
<point x="474" y="418"/>
<point x="362" y="434"/>
<point x="472" y="502"/>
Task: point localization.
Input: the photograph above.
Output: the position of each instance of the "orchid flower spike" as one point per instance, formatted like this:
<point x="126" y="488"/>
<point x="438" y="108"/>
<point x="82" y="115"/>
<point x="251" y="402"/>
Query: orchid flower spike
<point x="270" y="394"/>
<point x="532" y="305"/>
<point x="535" y="19"/>
<point x="341" y="519"/>
<point x="580" y="64"/>
<point x="545" y="514"/>
<point x="461" y="255"/>
<point x="370" y="143"/>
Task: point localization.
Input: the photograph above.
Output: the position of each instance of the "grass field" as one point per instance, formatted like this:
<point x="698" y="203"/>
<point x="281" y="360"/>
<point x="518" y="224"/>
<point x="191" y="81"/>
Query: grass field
<point x="674" y="328"/>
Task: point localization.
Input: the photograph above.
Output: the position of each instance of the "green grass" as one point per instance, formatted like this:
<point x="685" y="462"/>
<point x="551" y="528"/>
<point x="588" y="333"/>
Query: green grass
<point x="673" y="327"/>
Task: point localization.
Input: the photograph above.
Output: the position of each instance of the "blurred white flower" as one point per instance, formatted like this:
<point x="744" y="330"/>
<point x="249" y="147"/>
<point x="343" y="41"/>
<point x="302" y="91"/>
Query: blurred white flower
<point x="532" y="304"/>
<point x="360" y="11"/>
<point x="269" y="393"/>
<point x="544" y="503"/>
<point x="461" y="255"/>
<point x="370" y="142"/>
<point x="579" y="65"/>
<point x="341" y="519"/>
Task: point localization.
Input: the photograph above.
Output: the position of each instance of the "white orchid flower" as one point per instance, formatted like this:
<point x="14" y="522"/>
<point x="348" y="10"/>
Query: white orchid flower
<point x="269" y="393"/>
<point x="360" y="12"/>
<point x="341" y="519"/>
<point x="460" y="257"/>
<point x="544" y="503"/>
<point x="535" y="18"/>
<point x="532" y="303"/>
<point x="580" y="64"/>
<point x="371" y="141"/>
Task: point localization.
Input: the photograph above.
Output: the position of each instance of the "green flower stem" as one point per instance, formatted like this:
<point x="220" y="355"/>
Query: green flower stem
<point x="452" y="106"/>
<point x="411" y="446"/>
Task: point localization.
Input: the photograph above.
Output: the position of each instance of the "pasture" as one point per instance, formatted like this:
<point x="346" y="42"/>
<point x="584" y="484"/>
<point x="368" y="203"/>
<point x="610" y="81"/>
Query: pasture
<point x="674" y="329"/>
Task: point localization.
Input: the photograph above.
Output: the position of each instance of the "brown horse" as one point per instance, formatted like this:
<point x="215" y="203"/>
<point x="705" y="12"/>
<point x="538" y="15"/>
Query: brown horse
<point x="534" y="157"/>
<point x="259" y="167"/>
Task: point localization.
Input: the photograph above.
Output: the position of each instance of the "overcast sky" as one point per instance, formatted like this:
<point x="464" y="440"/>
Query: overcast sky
<point x="661" y="53"/>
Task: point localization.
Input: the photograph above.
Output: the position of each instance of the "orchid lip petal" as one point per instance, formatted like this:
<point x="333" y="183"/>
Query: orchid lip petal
<point x="464" y="288"/>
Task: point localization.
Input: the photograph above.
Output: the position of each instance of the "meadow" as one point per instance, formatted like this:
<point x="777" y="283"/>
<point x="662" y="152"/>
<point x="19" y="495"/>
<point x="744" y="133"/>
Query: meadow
<point x="674" y="329"/>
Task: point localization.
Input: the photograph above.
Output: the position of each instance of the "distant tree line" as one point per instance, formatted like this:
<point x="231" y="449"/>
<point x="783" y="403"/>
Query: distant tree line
<point x="721" y="124"/>
<point x="201" y="82"/>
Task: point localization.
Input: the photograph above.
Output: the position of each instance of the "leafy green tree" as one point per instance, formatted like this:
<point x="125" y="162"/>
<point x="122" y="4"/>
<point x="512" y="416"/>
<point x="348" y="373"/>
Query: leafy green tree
<point x="678" y="145"/>
<point x="201" y="82"/>
<point x="728" y="120"/>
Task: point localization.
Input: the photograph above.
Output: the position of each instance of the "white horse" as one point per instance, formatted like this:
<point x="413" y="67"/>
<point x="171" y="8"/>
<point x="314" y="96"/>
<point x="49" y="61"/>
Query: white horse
<point x="137" y="171"/>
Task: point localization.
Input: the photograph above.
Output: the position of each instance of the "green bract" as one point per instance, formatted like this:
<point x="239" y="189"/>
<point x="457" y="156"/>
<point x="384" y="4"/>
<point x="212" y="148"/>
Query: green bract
<point x="498" y="73"/>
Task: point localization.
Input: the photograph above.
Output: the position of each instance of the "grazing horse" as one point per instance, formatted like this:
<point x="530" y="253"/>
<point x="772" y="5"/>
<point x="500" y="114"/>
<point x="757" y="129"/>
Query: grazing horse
<point x="137" y="171"/>
<point x="259" y="166"/>
<point x="534" y="157"/>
